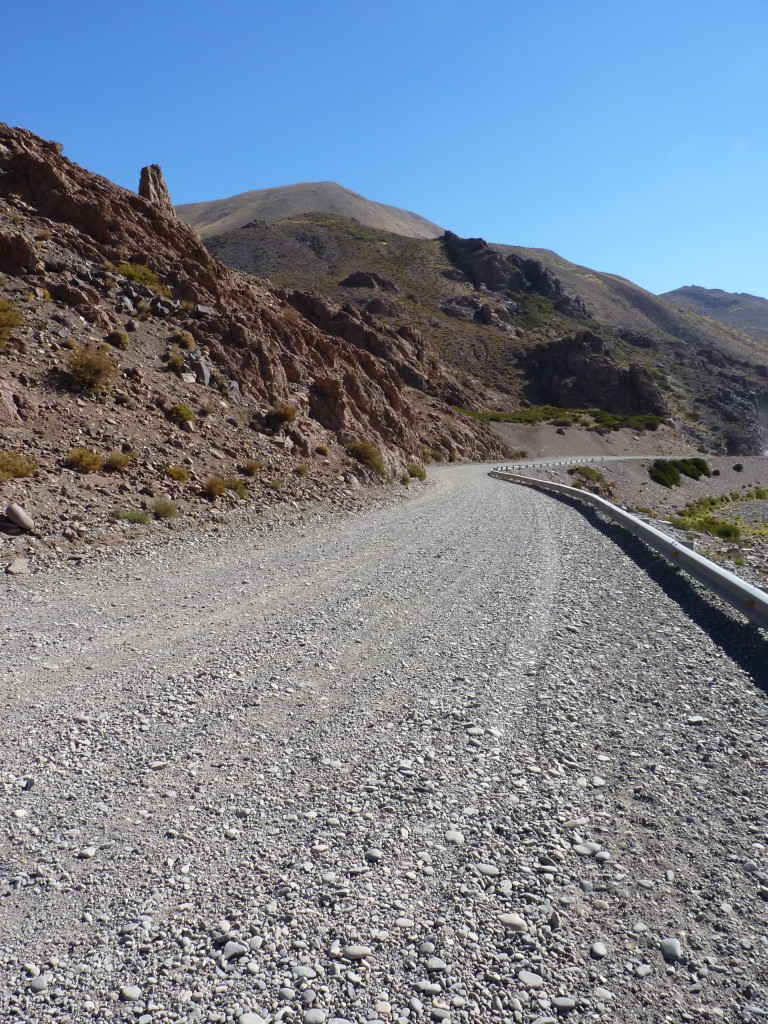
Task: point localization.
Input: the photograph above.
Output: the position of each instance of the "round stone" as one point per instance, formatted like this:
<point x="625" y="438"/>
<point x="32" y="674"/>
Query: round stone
<point x="530" y="980"/>
<point x="315" y="1016"/>
<point x="454" y="837"/>
<point x="514" y="922"/>
<point x="436" y="964"/>
<point x="130" y="993"/>
<point x="598" y="951"/>
<point x="357" y="952"/>
<point x="671" y="949"/>
<point x="643" y="970"/>
<point x="564" y="1003"/>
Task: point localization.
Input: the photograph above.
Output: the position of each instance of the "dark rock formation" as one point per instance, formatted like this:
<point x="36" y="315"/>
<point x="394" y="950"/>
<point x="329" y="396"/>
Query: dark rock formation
<point x="578" y="373"/>
<point x="364" y="279"/>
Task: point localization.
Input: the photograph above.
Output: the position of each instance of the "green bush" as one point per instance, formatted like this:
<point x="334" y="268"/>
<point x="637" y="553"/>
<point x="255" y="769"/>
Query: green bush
<point x="180" y="413"/>
<point x="368" y="455"/>
<point x="14" y="464"/>
<point x="588" y="473"/>
<point x="417" y="472"/>
<point x="83" y="460"/>
<point x="133" y="515"/>
<point x="10" y="317"/>
<point x="141" y="274"/>
<point x="178" y="473"/>
<point x="664" y="472"/>
<point x="90" y="369"/>
<point x="301" y="470"/>
<point x="738" y="467"/>
<point x="321" y="449"/>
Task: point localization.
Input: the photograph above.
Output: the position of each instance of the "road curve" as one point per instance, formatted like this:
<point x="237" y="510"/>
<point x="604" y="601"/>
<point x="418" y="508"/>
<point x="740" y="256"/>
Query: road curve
<point x="457" y="757"/>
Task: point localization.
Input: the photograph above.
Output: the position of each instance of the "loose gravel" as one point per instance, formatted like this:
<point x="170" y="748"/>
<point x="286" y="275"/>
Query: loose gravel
<point x="458" y="758"/>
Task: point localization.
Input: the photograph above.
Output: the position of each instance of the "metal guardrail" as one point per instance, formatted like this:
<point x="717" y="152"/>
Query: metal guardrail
<point x="746" y="598"/>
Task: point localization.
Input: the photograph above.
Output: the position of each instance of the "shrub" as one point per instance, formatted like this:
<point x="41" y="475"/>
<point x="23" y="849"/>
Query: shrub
<point x="163" y="508"/>
<point x="279" y="414"/>
<point x="250" y="467"/>
<point x="10" y="317"/>
<point x="368" y="455"/>
<point x="405" y="479"/>
<point x="90" y="369"/>
<point x="141" y="274"/>
<point x="208" y="407"/>
<point x="214" y="487"/>
<point x="274" y="484"/>
<point x="180" y="413"/>
<point x="301" y="470"/>
<point x="588" y="473"/>
<point x="664" y="472"/>
<point x="178" y="473"/>
<point x="83" y="460"/>
<point x="233" y="483"/>
<point x="738" y="467"/>
<point x="133" y="515"/>
<point x="117" y="462"/>
<point x="416" y="471"/>
<point x="14" y="464"/>
<point x="321" y="449"/>
<point x="119" y="339"/>
<point x="175" y="357"/>
<point x="715" y="472"/>
<point x="185" y="340"/>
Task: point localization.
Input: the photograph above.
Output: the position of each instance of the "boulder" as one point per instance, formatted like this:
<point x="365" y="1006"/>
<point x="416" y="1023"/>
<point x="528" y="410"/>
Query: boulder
<point x="17" y="515"/>
<point x="18" y="254"/>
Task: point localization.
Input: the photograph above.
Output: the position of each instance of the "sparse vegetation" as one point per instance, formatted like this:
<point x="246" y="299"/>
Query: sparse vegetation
<point x="139" y="273"/>
<point x="133" y="515"/>
<point x="15" y="465"/>
<point x="594" y="418"/>
<point x="164" y="508"/>
<point x="274" y="484"/>
<point x="119" y="339"/>
<point x="83" y="460"/>
<point x="180" y="413"/>
<point x="90" y="368"/>
<point x="178" y="473"/>
<point x="738" y="467"/>
<point x="117" y="462"/>
<point x="417" y="472"/>
<point x="250" y="467"/>
<point x="321" y="449"/>
<point x="214" y="487"/>
<point x="301" y="470"/>
<point x="175" y="358"/>
<point x="237" y="486"/>
<point x="368" y="455"/>
<point x="10" y="317"/>
<point x="279" y="414"/>
<point x="185" y="340"/>
<point x="589" y="473"/>
<point x="208" y="407"/>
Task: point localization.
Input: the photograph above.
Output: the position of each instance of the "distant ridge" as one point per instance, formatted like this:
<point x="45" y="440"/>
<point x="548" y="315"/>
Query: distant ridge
<point x="272" y="204"/>
<point x="736" y="309"/>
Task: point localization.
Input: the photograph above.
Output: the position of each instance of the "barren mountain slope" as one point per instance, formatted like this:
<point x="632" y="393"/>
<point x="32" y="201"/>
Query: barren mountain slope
<point x="121" y="335"/>
<point x="271" y="204"/>
<point x="748" y="313"/>
<point x="517" y="318"/>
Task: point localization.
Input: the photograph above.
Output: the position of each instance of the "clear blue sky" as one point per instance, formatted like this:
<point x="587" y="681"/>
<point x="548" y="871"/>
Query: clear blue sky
<point x="630" y="137"/>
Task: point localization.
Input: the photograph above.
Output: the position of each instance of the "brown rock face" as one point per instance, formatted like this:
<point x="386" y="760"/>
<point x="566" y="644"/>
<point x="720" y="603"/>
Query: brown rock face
<point x="17" y="254"/>
<point x="152" y="186"/>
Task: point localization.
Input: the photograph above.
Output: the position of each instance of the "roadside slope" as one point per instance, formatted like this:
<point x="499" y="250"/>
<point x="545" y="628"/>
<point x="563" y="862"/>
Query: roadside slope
<point x="311" y="772"/>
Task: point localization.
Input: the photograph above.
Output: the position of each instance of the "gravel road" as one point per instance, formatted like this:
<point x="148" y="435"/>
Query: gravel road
<point x="457" y="757"/>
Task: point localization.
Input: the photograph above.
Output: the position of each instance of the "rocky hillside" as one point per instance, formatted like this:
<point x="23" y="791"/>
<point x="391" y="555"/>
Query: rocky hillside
<point x="140" y="376"/>
<point x="531" y="325"/>
<point x="272" y="204"/>
<point x="748" y="313"/>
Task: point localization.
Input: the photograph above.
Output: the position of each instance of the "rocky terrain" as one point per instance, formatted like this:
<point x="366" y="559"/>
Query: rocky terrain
<point x="748" y="313"/>
<point x="134" y="368"/>
<point x="516" y="319"/>
<point x="463" y="757"/>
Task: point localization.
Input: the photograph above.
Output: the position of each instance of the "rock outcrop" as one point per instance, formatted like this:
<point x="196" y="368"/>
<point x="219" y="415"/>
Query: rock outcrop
<point x="152" y="187"/>
<point x="578" y="373"/>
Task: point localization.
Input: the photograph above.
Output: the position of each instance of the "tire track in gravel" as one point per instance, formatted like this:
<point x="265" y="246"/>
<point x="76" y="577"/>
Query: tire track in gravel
<point x="406" y="725"/>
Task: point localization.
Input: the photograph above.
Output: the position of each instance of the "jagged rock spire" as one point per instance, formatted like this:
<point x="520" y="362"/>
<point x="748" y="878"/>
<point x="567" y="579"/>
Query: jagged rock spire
<point x="152" y="187"/>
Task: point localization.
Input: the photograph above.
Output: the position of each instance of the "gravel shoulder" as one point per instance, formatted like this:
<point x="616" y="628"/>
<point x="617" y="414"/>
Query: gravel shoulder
<point x="457" y="757"/>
